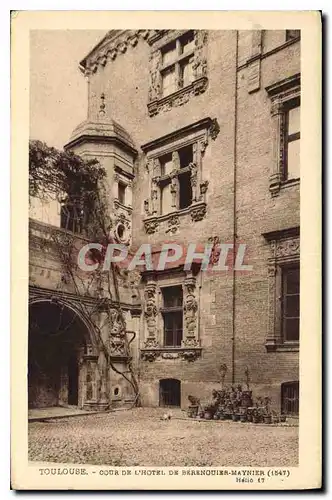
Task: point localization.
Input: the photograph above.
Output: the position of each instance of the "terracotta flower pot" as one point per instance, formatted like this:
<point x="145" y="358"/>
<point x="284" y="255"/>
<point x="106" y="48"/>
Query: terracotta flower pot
<point x="208" y="415"/>
<point x="267" y="419"/>
<point x="235" y="417"/>
<point x="243" y="418"/>
<point x="192" y="411"/>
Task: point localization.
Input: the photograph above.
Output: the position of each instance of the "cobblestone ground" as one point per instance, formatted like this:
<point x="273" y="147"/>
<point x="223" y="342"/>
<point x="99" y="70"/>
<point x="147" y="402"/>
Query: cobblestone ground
<point x="139" y="437"/>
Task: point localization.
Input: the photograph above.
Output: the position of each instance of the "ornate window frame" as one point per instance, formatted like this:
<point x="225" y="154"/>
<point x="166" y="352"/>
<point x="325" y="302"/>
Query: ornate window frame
<point x="198" y="135"/>
<point x="153" y="344"/>
<point x="158" y="103"/>
<point x="281" y="94"/>
<point x="284" y="250"/>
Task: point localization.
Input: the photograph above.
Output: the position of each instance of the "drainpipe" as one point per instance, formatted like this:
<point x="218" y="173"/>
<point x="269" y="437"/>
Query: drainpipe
<point x="234" y="207"/>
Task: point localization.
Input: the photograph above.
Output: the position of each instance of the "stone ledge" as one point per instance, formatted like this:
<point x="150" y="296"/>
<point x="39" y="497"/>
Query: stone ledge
<point x="197" y="211"/>
<point x="185" y="353"/>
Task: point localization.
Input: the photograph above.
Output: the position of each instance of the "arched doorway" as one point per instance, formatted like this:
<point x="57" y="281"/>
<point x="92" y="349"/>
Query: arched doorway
<point x="57" y="343"/>
<point x="169" y="392"/>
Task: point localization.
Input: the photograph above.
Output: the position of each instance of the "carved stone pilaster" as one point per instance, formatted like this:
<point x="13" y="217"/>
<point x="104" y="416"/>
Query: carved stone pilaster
<point x="193" y="180"/>
<point x="117" y="333"/>
<point x="150" y="312"/>
<point x="174" y="188"/>
<point x="155" y="87"/>
<point x="280" y="94"/>
<point x="199" y="65"/>
<point x="190" y="312"/>
<point x="155" y="196"/>
<point x="276" y="176"/>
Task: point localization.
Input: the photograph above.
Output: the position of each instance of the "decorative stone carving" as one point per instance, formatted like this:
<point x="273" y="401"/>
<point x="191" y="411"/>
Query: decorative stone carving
<point x="115" y="46"/>
<point x="117" y="333"/>
<point x="284" y="249"/>
<point x="193" y="180"/>
<point x="102" y="104"/>
<point x="155" y="61"/>
<point x="149" y="355"/>
<point x="198" y="212"/>
<point x="154" y="195"/>
<point x="170" y="355"/>
<point x="280" y="94"/>
<point x="199" y="65"/>
<point x="151" y="343"/>
<point x="287" y="247"/>
<point x="215" y="252"/>
<point x="150" y="312"/>
<point x="173" y="224"/>
<point x="174" y="191"/>
<point x="157" y="103"/>
<point x="190" y="355"/>
<point x="203" y="187"/>
<point x="191" y="342"/>
<point x="187" y="354"/>
<point x="146" y="207"/>
<point x="190" y="308"/>
<point x="151" y="225"/>
<point x="214" y="129"/>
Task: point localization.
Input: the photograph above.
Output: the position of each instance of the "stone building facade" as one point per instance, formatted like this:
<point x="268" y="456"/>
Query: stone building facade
<point x="199" y="133"/>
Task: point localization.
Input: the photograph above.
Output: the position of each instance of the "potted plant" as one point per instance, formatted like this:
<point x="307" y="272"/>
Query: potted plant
<point x="208" y="412"/>
<point x="250" y="414"/>
<point x="222" y="371"/>
<point x="235" y="417"/>
<point x="282" y="418"/>
<point x="193" y="406"/>
<point x="256" y="416"/>
<point x="275" y="417"/>
<point x="247" y="394"/>
<point x="267" y="416"/>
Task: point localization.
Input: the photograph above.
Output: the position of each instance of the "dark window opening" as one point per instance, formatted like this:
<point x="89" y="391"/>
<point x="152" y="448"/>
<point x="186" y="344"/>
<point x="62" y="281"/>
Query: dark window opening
<point x="172" y="296"/>
<point x="169" y="392"/>
<point x="291" y="303"/>
<point x="186" y="156"/>
<point x="291" y="34"/>
<point x="186" y="195"/>
<point x="71" y="217"/>
<point x="122" y="193"/>
<point x="290" y="398"/>
<point x="173" y="316"/>
<point x="187" y="43"/>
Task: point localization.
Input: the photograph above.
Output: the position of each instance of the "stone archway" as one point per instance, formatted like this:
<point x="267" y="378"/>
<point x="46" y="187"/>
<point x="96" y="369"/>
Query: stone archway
<point x="59" y="341"/>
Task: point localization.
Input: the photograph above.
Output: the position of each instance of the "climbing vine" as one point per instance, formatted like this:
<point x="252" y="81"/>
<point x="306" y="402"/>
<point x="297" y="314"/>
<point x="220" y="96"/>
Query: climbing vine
<point x="79" y="183"/>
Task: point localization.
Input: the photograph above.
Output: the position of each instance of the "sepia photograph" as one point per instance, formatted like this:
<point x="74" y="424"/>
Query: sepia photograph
<point x="164" y="177"/>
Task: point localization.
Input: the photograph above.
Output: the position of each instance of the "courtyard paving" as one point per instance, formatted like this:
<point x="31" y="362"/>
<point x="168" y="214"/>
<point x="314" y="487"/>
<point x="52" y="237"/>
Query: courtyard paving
<point x="139" y="437"/>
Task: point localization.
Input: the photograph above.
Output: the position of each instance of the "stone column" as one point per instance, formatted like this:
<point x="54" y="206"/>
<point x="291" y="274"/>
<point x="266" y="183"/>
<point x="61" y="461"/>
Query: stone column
<point x="190" y="312"/>
<point x="150" y="315"/>
<point x="276" y="176"/>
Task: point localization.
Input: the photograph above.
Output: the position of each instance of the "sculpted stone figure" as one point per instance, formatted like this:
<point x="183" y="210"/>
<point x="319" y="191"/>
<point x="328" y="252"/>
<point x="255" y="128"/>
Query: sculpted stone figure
<point x="190" y="308"/>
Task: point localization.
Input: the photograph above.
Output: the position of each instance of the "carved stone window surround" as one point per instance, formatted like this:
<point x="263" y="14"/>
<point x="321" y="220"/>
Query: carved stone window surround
<point x="157" y="101"/>
<point x="153" y="347"/>
<point x="284" y="251"/>
<point x="281" y="94"/>
<point x="196" y="135"/>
